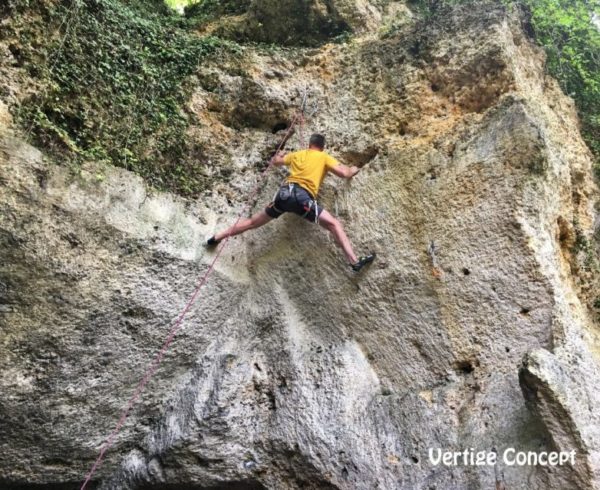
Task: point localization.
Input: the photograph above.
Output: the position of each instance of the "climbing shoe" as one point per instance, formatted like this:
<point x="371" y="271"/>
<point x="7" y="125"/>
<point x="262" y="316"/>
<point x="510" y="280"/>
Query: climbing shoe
<point x="362" y="261"/>
<point x="212" y="242"/>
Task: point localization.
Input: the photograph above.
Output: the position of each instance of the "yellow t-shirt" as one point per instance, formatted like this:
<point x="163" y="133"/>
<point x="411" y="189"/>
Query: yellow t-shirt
<point x="308" y="168"/>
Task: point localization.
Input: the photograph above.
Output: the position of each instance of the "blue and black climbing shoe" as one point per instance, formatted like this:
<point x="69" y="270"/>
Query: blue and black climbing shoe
<point x="212" y="242"/>
<point x="362" y="261"/>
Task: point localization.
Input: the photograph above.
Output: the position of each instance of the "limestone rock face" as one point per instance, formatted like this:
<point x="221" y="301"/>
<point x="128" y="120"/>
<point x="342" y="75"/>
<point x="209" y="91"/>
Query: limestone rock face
<point x="471" y="329"/>
<point x="294" y="22"/>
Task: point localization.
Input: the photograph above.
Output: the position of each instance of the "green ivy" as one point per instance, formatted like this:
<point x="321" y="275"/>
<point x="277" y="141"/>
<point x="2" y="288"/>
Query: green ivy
<point x="116" y="79"/>
<point x="572" y="41"/>
<point x="174" y="4"/>
<point x="210" y="9"/>
<point x="566" y="30"/>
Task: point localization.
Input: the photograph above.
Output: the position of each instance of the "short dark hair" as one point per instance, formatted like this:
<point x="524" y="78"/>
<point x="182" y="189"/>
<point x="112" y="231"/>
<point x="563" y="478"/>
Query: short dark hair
<point x="317" y="140"/>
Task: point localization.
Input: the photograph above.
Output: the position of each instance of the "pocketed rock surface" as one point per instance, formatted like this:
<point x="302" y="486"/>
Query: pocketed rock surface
<point x="473" y="328"/>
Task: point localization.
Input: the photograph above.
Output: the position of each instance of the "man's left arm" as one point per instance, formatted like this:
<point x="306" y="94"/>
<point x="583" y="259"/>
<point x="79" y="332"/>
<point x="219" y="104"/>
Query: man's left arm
<point x="344" y="171"/>
<point x="340" y="169"/>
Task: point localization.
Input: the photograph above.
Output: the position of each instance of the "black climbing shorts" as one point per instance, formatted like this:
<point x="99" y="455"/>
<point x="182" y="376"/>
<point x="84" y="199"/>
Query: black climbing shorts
<point x="292" y="198"/>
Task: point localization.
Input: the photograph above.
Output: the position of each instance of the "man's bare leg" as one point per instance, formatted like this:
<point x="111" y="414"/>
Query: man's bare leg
<point x="256" y="221"/>
<point x="331" y="224"/>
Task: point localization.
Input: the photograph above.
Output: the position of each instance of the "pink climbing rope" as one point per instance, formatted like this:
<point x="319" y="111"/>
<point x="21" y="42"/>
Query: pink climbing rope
<point x="177" y="324"/>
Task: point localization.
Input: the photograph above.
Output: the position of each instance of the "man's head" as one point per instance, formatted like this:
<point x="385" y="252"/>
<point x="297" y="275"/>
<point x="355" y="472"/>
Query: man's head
<point x="316" y="141"/>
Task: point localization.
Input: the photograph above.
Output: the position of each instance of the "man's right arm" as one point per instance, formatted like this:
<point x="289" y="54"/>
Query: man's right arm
<point x="344" y="171"/>
<point x="278" y="159"/>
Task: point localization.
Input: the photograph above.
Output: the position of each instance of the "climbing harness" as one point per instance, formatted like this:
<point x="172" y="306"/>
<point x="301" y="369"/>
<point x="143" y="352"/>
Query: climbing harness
<point x="312" y="204"/>
<point x="287" y="197"/>
<point x="283" y="194"/>
<point x="178" y="321"/>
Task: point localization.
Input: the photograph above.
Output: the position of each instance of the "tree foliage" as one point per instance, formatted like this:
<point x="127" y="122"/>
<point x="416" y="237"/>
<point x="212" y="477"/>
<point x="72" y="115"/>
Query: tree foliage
<point x="569" y="31"/>
<point x="115" y="79"/>
<point x="571" y="37"/>
<point x="114" y="75"/>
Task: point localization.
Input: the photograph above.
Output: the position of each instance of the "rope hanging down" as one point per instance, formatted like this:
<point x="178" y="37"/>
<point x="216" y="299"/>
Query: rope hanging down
<point x="299" y="116"/>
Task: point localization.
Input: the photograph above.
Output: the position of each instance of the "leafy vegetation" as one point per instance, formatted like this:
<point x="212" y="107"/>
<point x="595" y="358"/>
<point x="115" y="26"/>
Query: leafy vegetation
<point x="572" y="41"/>
<point x="569" y="30"/>
<point x="292" y="23"/>
<point x="177" y="4"/>
<point x="210" y="9"/>
<point x="115" y="79"/>
<point x="114" y="75"/>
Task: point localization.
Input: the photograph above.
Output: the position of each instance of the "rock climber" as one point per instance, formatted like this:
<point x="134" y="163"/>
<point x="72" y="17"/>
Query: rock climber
<point x="298" y="195"/>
